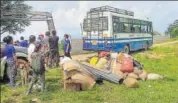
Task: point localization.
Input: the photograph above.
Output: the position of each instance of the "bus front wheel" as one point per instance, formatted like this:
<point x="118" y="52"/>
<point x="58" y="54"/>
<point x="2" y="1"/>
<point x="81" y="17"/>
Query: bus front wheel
<point x="126" y="49"/>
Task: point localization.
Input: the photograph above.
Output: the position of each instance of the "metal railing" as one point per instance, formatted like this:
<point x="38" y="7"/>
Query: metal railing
<point x="111" y="9"/>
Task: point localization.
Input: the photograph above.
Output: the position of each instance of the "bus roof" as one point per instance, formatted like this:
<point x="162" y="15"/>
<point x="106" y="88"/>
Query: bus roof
<point x="111" y="9"/>
<point x="131" y="17"/>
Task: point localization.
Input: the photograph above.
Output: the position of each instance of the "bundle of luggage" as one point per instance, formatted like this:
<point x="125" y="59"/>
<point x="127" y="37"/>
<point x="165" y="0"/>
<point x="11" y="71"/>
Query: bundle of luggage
<point x="116" y="68"/>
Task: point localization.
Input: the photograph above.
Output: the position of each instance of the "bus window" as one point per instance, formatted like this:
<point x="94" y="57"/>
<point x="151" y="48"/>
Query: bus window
<point x="149" y="27"/>
<point x="125" y="25"/>
<point x="103" y="23"/>
<point x="136" y="29"/>
<point x="115" y="24"/>
<point x="92" y="25"/>
<point x="143" y="28"/>
<point x="126" y="28"/>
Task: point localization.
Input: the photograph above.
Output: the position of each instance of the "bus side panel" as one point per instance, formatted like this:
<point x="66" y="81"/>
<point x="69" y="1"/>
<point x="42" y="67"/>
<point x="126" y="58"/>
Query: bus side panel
<point x="136" y="45"/>
<point x="118" y="46"/>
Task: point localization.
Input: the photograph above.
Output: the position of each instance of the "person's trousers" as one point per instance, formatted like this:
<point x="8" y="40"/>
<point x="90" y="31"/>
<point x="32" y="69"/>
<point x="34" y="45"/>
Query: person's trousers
<point x="68" y="55"/>
<point x="53" y="58"/>
<point x="12" y="71"/>
<point x="35" y="79"/>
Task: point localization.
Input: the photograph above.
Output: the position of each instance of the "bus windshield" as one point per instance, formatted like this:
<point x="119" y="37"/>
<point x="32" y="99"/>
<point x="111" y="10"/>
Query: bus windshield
<point x="95" y="24"/>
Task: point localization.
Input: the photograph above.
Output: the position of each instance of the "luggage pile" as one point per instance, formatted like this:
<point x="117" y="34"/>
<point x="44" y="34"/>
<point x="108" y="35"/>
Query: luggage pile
<point x="116" y="68"/>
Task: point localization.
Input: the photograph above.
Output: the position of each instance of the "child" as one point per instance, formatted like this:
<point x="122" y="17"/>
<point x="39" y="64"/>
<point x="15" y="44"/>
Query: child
<point x="37" y="64"/>
<point x="11" y="60"/>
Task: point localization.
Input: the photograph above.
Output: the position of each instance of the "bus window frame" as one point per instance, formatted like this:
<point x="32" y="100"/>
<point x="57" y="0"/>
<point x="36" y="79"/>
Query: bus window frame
<point x="89" y="24"/>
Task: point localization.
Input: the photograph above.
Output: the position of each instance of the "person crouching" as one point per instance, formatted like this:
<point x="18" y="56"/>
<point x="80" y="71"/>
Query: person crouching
<point x="37" y="65"/>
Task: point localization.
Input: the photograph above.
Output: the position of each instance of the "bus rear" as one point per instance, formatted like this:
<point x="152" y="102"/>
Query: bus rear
<point x="96" y="32"/>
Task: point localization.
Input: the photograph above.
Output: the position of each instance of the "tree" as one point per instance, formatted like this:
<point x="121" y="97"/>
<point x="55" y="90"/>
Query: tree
<point x="174" y="32"/>
<point x="173" y="29"/>
<point x="11" y="12"/>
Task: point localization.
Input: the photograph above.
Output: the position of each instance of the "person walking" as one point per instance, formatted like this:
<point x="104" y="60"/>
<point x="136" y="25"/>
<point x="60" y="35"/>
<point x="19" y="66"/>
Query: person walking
<point x="54" y="49"/>
<point x="23" y="43"/>
<point x="67" y="46"/>
<point x="38" y="68"/>
<point x="11" y="60"/>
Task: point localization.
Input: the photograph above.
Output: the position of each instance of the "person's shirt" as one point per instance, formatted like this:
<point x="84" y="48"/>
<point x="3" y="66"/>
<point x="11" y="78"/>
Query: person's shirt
<point x="9" y="51"/>
<point x="23" y="43"/>
<point x="37" y="62"/>
<point x="53" y="43"/>
<point x="46" y="43"/>
<point x="31" y="49"/>
<point x="66" y="43"/>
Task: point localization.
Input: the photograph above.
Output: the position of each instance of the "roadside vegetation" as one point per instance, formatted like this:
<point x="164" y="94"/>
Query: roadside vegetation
<point x="160" y="59"/>
<point x="172" y="30"/>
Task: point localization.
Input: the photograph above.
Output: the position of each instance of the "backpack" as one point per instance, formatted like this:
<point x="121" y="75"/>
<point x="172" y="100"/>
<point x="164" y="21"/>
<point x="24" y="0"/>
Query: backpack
<point x="37" y="62"/>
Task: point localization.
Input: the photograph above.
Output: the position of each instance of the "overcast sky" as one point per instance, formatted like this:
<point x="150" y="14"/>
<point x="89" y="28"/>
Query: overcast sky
<point x="67" y="15"/>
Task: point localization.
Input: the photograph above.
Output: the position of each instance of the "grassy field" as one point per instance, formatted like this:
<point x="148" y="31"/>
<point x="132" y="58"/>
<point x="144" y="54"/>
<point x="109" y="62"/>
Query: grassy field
<point x="162" y="60"/>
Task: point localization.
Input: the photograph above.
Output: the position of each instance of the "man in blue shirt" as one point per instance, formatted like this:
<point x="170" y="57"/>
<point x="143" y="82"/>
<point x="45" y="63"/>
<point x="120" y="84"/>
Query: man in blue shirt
<point x="67" y="46"/>
<point x="11" y="60"/>
<point x="23" y="43"/>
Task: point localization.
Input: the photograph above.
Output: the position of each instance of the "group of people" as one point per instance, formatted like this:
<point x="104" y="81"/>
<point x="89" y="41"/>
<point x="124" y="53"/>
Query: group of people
<point x="43" y="51"/>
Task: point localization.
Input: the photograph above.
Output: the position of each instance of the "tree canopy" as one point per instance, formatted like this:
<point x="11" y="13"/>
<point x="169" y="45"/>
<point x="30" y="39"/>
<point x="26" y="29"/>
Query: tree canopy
<point x="11" y="12"/>
<point x="173" y="29"/>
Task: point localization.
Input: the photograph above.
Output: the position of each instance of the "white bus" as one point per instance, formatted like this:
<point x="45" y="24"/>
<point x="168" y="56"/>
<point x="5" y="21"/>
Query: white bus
<point x="110" y="29"/>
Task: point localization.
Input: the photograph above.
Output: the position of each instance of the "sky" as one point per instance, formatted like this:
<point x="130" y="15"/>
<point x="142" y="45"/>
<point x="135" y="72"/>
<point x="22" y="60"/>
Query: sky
<point x="68" y="15"/>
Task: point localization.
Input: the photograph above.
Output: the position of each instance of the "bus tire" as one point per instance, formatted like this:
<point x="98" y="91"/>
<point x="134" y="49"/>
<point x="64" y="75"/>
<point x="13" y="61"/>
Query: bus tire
<point x="126" y="49"/>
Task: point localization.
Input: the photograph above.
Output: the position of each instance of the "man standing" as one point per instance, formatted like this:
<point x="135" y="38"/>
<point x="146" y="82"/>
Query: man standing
<point x="23" y="43"/>
<point x="54" y="49"/>
<point x="46" y="46"/>
<point x="67" y="46"/>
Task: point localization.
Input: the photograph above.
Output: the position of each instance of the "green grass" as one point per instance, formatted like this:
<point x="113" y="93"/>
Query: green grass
<point x="160" y="91"/>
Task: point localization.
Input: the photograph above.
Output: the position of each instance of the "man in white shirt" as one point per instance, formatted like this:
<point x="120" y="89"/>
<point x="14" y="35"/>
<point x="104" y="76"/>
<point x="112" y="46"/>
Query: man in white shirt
<point x="31" y="48"/>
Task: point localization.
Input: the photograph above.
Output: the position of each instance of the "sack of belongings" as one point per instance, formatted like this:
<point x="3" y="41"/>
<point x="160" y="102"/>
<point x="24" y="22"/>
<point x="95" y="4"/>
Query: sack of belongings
<point x="153" y="76"/>
<point x="133" y="75"/>
<point x="94" y="60"/>
<point x="114" y="55"/>
<point x="103" y="54"/>
<point x="101" y="63"/>
<point x="131" y="83"/>
<point x="116" y="69"/>
<point x="143" y="75"/>
<point x="64" y="59"/>
<point x="127" y="64"/>
<point x="75" y="77"/>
